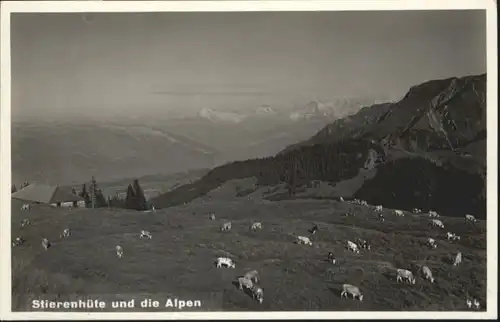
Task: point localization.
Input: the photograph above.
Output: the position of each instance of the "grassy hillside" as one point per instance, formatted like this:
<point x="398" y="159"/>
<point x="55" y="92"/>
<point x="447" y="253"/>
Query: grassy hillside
<point x="106" y="151"/>
<point x="179" y="258"/>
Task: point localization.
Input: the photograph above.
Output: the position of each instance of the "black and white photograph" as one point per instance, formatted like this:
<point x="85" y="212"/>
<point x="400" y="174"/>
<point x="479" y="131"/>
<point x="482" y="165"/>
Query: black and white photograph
<point x="214" y="161"/>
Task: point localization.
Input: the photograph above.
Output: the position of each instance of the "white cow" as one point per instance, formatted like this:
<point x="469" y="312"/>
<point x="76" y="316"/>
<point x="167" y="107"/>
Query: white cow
<point x="433" y="214"/>
<point x="304" y="240"/>
<point x="404" y="274"/>
<point x="352" y="247"/>
<point x="378" y="208"/>
<point x="224" y="261"/>
<point x="252" y="275"/>
<point x="226" y="226"/>
<point x="26" y="207"/>
<point x="437" y="223"/>
<point x="243" y="281"/>
<point x="351" y="289"/>
<point x="25" y="222"/>
<point x="18" y="241"/>
<point x="452" y="236"/>
<point x="458" y="259"/>
<point x="258" y="293"/>
<point x="427" y="273"/>
<point x="119" y="251"/>
<point x="212" y="216"/>
<point x="65" y="233"/>
<point x="431" y="242"/>
<point x="470" y="218"/>
<point x="256" y="225"/>
<point x="399" y="212"/>
<point x="45" y="243"/>
<point x="416" y="210"/>
<point x="145" y="234"/>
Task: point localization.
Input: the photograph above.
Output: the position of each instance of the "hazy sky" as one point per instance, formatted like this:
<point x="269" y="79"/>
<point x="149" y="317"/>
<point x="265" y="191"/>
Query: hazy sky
<point x="63" y="63"/>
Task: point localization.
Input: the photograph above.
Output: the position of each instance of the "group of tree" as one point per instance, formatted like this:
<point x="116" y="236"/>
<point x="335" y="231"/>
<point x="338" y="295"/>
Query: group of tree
<point x="135" y="197"/>
<point x="22" y="186"/>
<point x="93" y="196"/>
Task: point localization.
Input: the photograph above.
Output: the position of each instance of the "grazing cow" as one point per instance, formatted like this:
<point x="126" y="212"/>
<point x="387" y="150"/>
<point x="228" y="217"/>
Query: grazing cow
<point x="314" y="229"/>
<point x="252" y="275"/>
<point x="381" y="217"/>
<point x="224" y="261"/>
<point x="119" y="251"/>
<point x="226" y="226"/>
<point x="331" y="258"/>
<point x="352" y="247"/>
<point x="26" y="207"/>
<point x="18" y="241"/>
<point x="437" y="223"/>
<point x="379" y="208"/>
<point x="363" y="244"/>
<point x="452" y="236"/>
<point x="416" y="210"/>
<point x="25" y="222"/>
<point x="431" y="243"/>
<point x="45" y="243"/>
<point x="433" y="214"/>
<point x="258" y="293"/>
<point x="399" y="212"/>
<point x="256" y="225"/>
<point x="458" y="259"/>
<point x="351" y="289"/>
<point x="404" y="274"/>
<point x="145" y="234"/>
<point x="304" y="240"/>
<point x="243" y="281"/>
<point x="427" y="273"/>
<point x="470" y="218"/>
<point x="211" y="216"/>
<point x="65" y="233"/>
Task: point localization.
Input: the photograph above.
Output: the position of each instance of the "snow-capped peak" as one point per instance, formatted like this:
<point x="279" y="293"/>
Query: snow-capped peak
<point x="218" y="116"/>
<point x="265" y="109"/>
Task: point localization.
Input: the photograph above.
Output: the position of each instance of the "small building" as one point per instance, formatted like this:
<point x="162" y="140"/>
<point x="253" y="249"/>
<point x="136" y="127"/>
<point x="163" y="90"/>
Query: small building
<point x="51" y="195"/>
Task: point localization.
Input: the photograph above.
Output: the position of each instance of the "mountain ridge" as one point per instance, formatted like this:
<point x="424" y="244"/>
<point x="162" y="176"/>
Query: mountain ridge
<point x="404" y="138"/>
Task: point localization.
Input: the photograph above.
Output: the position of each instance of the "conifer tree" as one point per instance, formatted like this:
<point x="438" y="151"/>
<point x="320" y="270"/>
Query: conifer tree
<point x="85" y="195"/>
<point x="141" y="203"/>
<point x="130" y="199"/>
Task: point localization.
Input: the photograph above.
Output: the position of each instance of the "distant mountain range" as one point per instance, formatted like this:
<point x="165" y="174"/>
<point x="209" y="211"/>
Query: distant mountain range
<point x="314" y="109"/>
<point x="427" y="150"/>
<point x="64" y="153"/>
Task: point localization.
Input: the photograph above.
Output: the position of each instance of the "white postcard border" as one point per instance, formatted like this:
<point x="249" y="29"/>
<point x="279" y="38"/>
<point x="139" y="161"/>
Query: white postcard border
<point x="338" y="5"/>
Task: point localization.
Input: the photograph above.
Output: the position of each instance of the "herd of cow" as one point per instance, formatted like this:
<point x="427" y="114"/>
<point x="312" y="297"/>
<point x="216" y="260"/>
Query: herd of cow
<point x="250" y="280"/>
